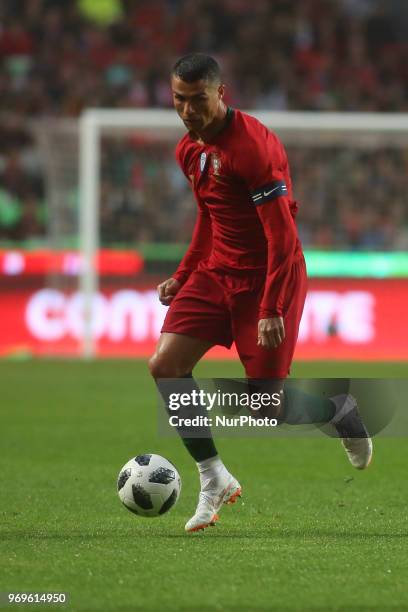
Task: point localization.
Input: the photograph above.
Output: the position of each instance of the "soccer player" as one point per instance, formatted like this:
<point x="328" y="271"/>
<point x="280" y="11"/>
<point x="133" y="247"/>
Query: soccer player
<point x="243" y="277"/>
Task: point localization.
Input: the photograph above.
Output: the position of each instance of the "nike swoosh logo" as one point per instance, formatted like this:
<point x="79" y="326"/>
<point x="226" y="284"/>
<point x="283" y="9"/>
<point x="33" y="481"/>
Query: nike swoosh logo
<point x="266" y="193"/>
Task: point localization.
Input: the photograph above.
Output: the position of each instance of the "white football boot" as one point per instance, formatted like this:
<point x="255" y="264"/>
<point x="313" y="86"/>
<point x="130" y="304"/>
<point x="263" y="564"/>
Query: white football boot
<point x="222" y="490"/>
<point x="351" y="429"/>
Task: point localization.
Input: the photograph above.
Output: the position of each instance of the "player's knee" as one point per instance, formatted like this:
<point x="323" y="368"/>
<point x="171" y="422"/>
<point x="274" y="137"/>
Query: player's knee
<point x="163" y="366"/>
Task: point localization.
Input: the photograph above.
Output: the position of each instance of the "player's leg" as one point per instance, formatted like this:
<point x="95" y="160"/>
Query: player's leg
<point x="271" y="366"/>
<point x="174" y="359"/>
<point x="171" y="366"/>
<point x="197" y="319"/>
<point x="176" y="355"/>
<point x="268" y="368"/>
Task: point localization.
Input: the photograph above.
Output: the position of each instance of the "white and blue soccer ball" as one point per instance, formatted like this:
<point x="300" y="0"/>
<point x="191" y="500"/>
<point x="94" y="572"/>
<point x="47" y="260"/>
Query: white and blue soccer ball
<point x="149" y="485"/>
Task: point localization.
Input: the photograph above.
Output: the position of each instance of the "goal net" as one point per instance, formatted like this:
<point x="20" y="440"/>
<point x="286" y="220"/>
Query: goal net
<point x="113" y="184"/>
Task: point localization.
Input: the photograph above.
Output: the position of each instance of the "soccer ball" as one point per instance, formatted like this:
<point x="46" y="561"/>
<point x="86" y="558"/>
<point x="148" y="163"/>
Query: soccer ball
<point x="149" y="485"/>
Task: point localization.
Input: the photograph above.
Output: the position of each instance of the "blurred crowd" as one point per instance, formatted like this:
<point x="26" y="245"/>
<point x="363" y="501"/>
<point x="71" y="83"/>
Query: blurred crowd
<point x="58" y="57"/>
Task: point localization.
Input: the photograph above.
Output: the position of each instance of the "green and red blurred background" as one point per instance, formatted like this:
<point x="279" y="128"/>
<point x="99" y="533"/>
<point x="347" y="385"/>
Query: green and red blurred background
<point x="58" y="59"/>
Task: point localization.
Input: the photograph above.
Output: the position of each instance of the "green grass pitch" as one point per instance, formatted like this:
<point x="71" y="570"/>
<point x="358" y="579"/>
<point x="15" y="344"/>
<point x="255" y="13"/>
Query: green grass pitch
<point x="310" y="532"/>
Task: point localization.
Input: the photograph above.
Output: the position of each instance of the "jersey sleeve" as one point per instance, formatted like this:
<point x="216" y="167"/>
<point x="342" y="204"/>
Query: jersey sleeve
<point x="200" y="246"/>
<point x="281" y="234"/>
<point x="201" y="241"/>
<point x="264" y="170"/>
<point x="262" y="165"/>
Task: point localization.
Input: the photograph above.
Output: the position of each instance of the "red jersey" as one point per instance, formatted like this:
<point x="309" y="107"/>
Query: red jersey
<point x="245" y="223"/>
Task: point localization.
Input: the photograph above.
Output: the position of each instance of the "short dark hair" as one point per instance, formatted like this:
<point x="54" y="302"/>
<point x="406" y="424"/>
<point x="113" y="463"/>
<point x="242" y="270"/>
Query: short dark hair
<point x="196" y="67"/>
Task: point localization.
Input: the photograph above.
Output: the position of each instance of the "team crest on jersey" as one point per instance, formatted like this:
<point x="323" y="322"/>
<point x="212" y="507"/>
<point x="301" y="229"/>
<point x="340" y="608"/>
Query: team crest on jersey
<point x="203" y="159"/>
<point x="216" y="163"/>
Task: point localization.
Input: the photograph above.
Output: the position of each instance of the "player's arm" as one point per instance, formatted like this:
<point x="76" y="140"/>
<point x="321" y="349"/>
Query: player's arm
<point x="281" y="235"/>
<point x="199" y="249"/>
<point x="200" y="245"/>
<point x="263" y="169"/>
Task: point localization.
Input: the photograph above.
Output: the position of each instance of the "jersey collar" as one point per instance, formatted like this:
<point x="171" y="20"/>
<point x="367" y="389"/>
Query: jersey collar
<point x="228" y="120"/>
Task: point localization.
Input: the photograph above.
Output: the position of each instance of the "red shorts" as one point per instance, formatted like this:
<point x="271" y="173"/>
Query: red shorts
<point x="222" y="308"/>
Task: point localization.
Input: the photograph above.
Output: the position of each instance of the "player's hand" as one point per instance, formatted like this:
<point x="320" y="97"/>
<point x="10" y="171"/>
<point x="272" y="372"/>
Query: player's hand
<point x="271" y="332"/>
<point x="167" y="290"/>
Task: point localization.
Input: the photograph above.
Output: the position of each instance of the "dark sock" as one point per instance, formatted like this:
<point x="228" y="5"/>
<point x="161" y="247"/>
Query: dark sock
<point x="297" y="407"/>
<point x="201" y="446"/>
<point x="300" y="408"/>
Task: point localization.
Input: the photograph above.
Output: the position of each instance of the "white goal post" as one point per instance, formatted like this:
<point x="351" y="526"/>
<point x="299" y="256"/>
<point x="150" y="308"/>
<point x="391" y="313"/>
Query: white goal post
<point x="307" y="128"/>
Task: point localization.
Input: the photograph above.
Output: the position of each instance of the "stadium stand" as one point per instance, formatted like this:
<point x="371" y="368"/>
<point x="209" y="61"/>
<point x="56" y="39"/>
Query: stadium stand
<point x="59" y="57"/>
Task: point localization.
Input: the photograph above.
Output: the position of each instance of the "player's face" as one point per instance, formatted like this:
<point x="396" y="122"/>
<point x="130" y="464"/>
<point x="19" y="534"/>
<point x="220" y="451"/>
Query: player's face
<point x="197" y="103"/>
